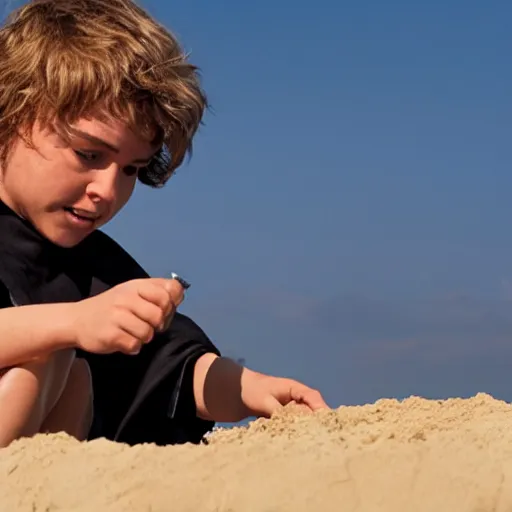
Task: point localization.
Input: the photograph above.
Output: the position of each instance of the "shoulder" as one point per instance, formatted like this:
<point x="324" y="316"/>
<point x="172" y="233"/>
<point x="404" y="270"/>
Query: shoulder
<point x="100" y="241"/>
<point x="109" y="260"/>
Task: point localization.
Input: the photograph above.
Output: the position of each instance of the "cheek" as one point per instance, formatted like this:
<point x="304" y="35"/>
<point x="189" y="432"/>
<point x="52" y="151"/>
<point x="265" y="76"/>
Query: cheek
<point x="54" y="176"/>
<point x="125" y="191"/>
<point x="28" y="178"/>
<point x="66" y="186"/>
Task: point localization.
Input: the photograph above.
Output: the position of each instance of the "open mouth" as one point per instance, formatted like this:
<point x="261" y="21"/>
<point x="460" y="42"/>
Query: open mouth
<point x="82" y="215"/>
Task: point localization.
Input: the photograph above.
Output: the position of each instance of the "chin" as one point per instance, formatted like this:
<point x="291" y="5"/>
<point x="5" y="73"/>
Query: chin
<point x="67" y="244"/>
<point x="60" y="233"/>
<point x="66" y="240"/>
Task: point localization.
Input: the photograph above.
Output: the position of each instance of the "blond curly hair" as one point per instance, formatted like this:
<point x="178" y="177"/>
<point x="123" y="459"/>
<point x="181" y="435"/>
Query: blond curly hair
<point x="62" y="59"/>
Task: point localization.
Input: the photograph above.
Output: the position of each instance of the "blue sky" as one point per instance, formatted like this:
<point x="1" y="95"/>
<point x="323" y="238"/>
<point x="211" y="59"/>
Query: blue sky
<point x="345" y="217"/>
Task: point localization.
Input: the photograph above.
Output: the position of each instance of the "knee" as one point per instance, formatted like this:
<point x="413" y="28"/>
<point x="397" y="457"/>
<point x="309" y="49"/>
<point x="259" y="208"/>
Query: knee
<point x="52" y="373"/>
<point x="44" y="377"/>
<point x="28" y="392"/>
<point x="52" y="368"/>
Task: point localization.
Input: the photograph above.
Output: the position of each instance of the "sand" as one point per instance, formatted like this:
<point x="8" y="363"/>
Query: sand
<point x="412" y="455"/>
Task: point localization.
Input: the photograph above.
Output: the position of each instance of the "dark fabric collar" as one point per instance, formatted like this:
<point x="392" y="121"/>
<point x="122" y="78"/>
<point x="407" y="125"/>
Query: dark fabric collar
<point x="35" y="270"/>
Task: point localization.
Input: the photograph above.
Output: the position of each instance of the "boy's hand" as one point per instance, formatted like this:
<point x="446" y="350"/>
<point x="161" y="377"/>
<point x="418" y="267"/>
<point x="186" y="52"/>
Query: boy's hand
<point x="263" y="395"/>
<point x="125" y="317"/>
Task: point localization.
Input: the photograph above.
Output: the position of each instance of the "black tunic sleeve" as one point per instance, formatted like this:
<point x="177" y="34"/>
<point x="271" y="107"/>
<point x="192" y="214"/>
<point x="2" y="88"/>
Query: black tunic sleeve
<point x="147" y="398"/>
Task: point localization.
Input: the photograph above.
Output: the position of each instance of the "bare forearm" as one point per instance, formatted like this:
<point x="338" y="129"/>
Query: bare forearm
<point x="218" y="383"/>
<point x="27" y="332"/>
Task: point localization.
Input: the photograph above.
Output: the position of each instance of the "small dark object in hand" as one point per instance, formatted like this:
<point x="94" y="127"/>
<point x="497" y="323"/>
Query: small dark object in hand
<point x="185" y="284"/>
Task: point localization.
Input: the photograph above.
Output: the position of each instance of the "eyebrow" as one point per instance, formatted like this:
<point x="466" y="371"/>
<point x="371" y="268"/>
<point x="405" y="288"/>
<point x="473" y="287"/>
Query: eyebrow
<point x="105" y="144"/>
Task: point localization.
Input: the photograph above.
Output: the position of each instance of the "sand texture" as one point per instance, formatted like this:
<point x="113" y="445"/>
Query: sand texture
<point x="415" y="455"/>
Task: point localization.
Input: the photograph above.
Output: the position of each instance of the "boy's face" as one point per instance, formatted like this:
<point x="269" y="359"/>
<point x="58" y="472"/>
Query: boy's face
<point x="68" y="190"/>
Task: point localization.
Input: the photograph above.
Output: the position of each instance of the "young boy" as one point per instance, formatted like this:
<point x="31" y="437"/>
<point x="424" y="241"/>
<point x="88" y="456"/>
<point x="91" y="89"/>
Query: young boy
<point x="95" y="95"/>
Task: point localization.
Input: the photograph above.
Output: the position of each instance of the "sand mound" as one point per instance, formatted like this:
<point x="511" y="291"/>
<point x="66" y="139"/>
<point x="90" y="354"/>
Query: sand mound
<point x="416" y="455"/>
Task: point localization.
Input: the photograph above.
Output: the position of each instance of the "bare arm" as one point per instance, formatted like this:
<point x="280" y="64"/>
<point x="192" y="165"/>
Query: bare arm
<point x="221" y="386"/>
<point x="27" y="332"/>
<point x="218" y="385"/>
<point x="224" y="391"/>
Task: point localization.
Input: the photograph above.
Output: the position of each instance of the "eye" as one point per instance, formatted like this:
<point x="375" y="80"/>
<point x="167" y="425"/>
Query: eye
<point x="87" y="156"/>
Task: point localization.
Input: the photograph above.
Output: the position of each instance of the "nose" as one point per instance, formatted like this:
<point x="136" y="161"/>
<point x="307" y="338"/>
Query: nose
<point x="103" y="187"/>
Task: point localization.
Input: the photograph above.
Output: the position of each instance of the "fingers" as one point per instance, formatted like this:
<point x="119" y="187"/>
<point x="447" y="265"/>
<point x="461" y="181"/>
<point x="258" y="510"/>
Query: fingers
<point x="307" y="396"/>
<point x="176" y="294"/>
<point x="168" y="319"/>
<point x="270" y="406"/>
<point x="149" y="311"/>
<point x="162" y="292"/>
<point x="154" y="311"/>
<point x="155" y="293"/>
<point x="134" y="332"/>
<point x="175" y="290"/>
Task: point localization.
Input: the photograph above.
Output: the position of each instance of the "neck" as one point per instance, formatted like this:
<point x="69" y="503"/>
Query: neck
<point x="7" y="201"/>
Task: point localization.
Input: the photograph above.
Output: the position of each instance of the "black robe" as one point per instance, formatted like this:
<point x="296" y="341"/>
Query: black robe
<point x="147" y="398"/>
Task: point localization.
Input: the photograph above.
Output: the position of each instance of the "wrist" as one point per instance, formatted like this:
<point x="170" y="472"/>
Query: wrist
<point x="63" y="325"/>
<point x="249" y="382"/>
